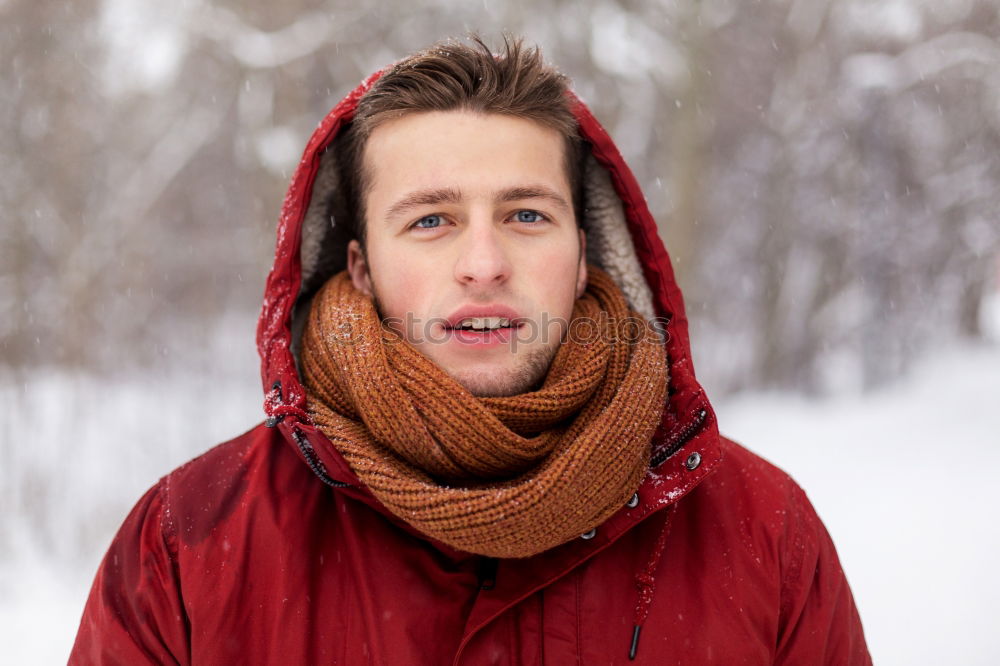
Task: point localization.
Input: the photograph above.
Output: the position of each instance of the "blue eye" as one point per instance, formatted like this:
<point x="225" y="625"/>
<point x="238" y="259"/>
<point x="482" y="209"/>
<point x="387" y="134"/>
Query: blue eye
<point x="528" y="216"/>
<point x="429" y="222"/>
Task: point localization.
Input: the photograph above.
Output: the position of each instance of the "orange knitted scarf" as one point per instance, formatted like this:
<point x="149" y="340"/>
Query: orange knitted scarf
<point x="500" y="476"/>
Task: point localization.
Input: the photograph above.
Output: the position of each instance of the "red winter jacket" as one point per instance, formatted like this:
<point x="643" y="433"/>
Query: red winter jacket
<point x="268" y="549"/>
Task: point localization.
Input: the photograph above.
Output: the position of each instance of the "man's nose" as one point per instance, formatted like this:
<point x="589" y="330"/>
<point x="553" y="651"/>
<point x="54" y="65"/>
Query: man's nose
<point x="482" y="259"/>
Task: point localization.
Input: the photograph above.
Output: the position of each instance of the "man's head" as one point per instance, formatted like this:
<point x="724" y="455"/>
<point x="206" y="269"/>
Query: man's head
<point x="463" y="173"/>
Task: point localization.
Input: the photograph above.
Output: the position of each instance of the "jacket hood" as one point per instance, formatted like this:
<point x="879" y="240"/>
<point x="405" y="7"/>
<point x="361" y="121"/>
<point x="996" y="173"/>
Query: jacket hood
<point x="622" y="239"/>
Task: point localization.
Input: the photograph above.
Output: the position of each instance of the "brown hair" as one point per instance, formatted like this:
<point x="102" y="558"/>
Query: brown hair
<point x="451" y="76"/>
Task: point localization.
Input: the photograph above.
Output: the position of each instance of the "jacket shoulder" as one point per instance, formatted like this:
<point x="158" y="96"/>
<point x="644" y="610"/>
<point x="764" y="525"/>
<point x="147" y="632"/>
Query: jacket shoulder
<point x="742" y="462"/>
<point x="224" y="481"/>
<point x="748" y="484"/>
<point x="818" y="619"/>
<point x="764" y="499"/>
<point x="222" y="455"/>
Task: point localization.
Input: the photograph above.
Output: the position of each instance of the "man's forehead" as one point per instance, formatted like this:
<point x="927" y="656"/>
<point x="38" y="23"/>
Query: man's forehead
<point x="450" y="156"/>
<point x="433" y="135"/>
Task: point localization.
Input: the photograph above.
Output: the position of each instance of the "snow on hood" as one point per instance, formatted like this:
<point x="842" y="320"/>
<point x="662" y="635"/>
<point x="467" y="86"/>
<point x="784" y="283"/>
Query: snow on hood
<point x="622" y="239"/>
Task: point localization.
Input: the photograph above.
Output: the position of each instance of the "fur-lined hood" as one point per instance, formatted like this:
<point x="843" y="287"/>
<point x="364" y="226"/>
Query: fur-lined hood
<point x="621" y="238"/>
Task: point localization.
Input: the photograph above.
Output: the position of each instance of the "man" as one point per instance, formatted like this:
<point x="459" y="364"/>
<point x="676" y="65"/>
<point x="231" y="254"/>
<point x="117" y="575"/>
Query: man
<point x="485" y="441"/>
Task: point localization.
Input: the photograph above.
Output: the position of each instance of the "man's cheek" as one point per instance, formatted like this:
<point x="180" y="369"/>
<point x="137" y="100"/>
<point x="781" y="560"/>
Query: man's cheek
<point x="407" y="307"/>
<point x="556" y="274"/>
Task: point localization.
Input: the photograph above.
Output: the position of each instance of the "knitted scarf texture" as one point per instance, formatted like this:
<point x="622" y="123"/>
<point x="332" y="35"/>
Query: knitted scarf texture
<point x="499" y="476"/>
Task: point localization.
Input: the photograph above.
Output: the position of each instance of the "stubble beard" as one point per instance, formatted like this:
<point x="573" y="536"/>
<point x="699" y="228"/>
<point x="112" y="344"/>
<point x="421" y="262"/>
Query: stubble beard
<point x="527" y="375"/>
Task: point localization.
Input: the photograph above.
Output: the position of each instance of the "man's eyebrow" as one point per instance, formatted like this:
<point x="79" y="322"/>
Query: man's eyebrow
<point x="450" y="195"/>
<point x="531" y="192"/>
<point x="424" y="198"/>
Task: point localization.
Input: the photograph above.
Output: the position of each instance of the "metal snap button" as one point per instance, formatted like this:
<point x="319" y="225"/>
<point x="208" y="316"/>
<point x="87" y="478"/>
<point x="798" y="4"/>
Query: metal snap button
<point x="590" y="534"/>
<point x="693" y="460"/>
<point x="633" y="501"/>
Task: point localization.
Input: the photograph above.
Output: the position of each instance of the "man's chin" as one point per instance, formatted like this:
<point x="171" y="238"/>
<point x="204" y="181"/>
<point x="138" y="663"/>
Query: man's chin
<point x="493" y="381"/>
<point x="485" y="386"/>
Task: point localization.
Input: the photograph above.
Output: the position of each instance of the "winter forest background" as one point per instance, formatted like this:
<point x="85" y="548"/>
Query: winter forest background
<point x="825" y="174"/>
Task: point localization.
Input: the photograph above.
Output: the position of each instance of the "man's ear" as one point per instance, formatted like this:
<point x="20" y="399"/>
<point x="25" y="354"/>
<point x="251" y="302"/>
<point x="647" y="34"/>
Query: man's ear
<point x="581" y="274"/>
<point x="357" y="267"/>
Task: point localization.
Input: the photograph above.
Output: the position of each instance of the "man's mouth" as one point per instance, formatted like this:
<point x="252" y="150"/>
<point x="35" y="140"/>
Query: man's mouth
<point x="483" y="324"/>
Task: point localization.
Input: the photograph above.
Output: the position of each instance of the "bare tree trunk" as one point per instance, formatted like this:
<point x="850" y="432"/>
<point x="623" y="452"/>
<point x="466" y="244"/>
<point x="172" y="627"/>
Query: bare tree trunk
<point x="686" y="166"/>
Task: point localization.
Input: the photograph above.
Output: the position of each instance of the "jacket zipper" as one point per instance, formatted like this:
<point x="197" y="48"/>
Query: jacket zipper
<point x="315" y="464"/>
<point x="678" y="441"/>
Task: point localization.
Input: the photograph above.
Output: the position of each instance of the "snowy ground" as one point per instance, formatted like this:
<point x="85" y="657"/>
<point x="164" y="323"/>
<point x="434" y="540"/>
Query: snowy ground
<point x="904" y="478"/>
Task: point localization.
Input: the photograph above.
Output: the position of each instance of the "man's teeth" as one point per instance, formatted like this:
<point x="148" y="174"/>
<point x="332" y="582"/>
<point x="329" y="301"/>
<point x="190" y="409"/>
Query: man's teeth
<point x="484" y="323"/>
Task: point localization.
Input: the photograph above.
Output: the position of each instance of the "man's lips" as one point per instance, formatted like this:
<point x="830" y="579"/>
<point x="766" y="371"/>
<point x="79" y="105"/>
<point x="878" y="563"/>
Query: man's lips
<point x="486" y="326"/>
<point x="480" y="314"/>
<point x="487" y="338"/>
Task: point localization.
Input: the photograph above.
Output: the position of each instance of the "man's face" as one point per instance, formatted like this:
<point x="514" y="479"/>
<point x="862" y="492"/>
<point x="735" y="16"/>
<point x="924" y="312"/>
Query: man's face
<point x="472" y="245"/>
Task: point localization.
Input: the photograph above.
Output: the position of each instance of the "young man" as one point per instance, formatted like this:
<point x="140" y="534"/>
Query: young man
<point x="485" y="441"/>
